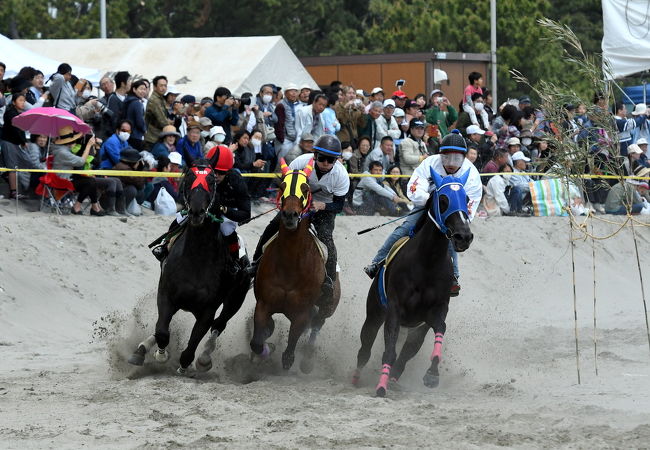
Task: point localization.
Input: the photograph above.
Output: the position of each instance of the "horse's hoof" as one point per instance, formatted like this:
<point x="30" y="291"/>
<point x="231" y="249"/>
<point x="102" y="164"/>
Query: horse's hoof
<point x="161" y="355"/>
<point x="287" y="360"/>
<point x="137" y="358"/>
<point x="431" y="380"/>
<point x="307" y="364"/>
<point x="203" y="365"/>
<point x="356" y="376"/>
<point x="187" y="372"/>
<point x="381" y="392"/>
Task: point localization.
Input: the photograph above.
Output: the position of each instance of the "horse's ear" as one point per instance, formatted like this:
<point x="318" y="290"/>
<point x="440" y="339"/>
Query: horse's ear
<point x="309" y="167"/>
<point x="435" y="176"/>
<point x="304" y="188"/>
<point x="215" y="157"/>
<point x="283" y="186"/>
<point x="283" y="166"/>
<point x="463" y="178"/>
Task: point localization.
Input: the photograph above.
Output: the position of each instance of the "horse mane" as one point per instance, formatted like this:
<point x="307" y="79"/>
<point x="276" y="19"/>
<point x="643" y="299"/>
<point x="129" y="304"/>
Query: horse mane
<point x="423" y="218"/>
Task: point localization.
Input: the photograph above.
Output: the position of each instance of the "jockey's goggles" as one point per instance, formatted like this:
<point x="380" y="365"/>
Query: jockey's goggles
<point x="452" y="159"/>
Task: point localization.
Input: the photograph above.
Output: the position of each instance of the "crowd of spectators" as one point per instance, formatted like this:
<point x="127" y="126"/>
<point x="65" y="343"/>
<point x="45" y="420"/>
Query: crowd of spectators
<point x="140" y="124"/>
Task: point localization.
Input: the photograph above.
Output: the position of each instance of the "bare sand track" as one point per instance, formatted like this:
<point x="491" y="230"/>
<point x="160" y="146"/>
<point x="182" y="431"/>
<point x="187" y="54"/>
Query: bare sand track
<point x="77" y="293"/>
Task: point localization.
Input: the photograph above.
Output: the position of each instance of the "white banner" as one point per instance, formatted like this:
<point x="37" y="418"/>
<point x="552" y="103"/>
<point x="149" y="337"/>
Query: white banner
<point x="626" y="36"/>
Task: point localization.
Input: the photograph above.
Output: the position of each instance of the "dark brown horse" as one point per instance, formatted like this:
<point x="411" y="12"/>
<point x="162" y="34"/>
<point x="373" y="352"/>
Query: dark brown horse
<point x="193" y="278"/>
<point x="290" y="274"/>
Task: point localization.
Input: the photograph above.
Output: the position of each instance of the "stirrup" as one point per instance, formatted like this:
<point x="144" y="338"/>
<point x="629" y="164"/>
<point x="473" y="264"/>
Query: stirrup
<point x="160" y="251"/>
<point x="327" y="288"/>
<point x="373" y="269"/>
<point x="455" y="287"/>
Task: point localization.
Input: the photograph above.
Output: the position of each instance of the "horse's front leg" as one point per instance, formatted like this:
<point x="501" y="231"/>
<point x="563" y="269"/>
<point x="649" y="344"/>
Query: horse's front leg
<point x="391" y="333"/>
<point x="201" y="326"/>
<point x="165" y="313"/>
<point x="432" y="376"/>
<point x="375" y="315"/>
<point x="262" y="328"/>
<point x="298" y="324"/>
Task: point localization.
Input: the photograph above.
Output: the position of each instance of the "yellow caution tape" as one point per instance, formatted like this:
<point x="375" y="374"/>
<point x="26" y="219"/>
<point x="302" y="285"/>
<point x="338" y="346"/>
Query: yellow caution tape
<point x="133" y="173"/>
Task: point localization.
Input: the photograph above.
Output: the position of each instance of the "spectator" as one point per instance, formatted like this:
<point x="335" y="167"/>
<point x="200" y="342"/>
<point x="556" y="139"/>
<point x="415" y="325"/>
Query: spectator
<point x="166" y="142"/>
<point x="465" y="119"/>
<point x="62" y="92"/>
<point x="441" y="114"/>
<point x="285" y="127"/>
<point x="520" y="181"/>
<point x="216" y="136"/>
<point x="472" y="156"/>
<point x="369" y="124"/>
<point x="413" y="150"/>
<point x="189" y="146"/>
<point x="500" y="158"/>
<point x="247" y="161"/>
<point x="331" y="124"/>
<point x="170" y="184"/>
<point x="399" y="97"/>
<point x="487" y="96"/>
<point x="631" y="161"/>
<point x="501" y="198"/>
<point x="130" y="160"/>
<point x="386" y="123"/>
<point x="371" y="196"/>
<point x="64" y="159"/>
<point x="308" y="118"/>
<point x="385" y="153"/>
<point x="223" y="111"/>
<point x="624" y="195"/>
<point x="642" y="128"/>
<point x="359" y="163"/>
<point x="111" y="149"/>
<point x="303" y="97"/>
<point x="170" y="97"/>
<point x="505" y="126"/>
<point x="471" y="92"/>
<point x="476" y="138"/>
<point x="398" y="186"/>
<point x="513" y="146"/>
<point x="206" y="102"/>
<point x="135" y="113"/>
<point x="14" y="144"/>
<point x="305" y="145"/>
<point x="107" y="86"/>
<point x="643" y="145"/>
<point x="114" y="103"/>
<point x="156" y="112"/>
<point x="265" y="105"/>
<point x="376" y="95"/>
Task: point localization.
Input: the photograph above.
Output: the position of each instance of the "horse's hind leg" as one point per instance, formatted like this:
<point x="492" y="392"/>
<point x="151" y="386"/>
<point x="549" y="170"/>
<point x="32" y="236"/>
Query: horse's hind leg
<point x="410" y="348"/>
<point x="298" y="324"/>
<point x="263" y="326"/>
<point x="232" y="304"/>
<point x="201" y="326"/>
<point x="391" y="333"/>
<point x="374" y="319"/>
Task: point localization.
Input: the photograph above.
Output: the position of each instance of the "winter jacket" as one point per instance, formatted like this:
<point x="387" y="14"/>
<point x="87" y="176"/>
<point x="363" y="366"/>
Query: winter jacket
<point x="155" y="117"/>
<point x="410" y="152"/>
<point x="223" y="116"/>
<point x="63" y="94"/>
<point x="11" y="133"/>
<point x="244" y="159"/>
<point x="135" y="114"/>
<point x="189" y="151"/>
<point x="109" y="152"/>
<point x="443" y="119"/>
<point x="351" y="119"/>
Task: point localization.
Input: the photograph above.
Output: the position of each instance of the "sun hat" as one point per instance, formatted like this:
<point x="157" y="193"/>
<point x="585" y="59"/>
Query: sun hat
<point x="639" y="109"/>
<point x="633" y="148"/>
<point x="641" y="141"/>
<point x="67" y="135"/>
<point x="169" y="130"/>
<point x="290" y="87"/>
<point x="513" y="141"/>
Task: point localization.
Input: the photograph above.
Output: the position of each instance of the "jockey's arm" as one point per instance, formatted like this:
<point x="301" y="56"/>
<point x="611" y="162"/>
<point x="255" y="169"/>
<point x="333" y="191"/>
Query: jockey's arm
<point x="336" y="205"/>
<point x="241" y="209"/>
<point x="418" y="185"/>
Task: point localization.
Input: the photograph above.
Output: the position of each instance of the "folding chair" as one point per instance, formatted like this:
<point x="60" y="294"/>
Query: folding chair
<point x="57" y="194"/>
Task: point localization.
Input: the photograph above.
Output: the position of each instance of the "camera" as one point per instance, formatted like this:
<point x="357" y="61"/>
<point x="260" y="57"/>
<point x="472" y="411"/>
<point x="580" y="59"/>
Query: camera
<point x="243" y="101"/>
<point x="400" y="83"/>
<point x="440" y="99"/>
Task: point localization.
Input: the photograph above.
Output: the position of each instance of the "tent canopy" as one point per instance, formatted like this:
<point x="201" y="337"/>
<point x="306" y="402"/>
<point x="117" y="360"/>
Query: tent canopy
<point x="195" y="66"/>
<point x="16" y="57"/>
<point x="626" y="36"/>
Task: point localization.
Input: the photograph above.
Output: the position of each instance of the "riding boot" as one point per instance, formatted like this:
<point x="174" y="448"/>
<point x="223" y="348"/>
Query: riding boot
<point x="232" y="242"/>
<point x="162" y="250"/>
<point x="455" y="286"/>
<point x="372" y="269"/>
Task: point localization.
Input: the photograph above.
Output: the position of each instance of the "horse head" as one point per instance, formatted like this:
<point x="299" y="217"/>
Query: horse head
<point x="294" y="197"/>
<point x="448" y="209"/>
<point x="199" y="189"/>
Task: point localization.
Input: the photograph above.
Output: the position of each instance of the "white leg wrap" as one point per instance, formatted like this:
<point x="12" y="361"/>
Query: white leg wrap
<point x="149" y="342"/>
<point x="211" y="343"/>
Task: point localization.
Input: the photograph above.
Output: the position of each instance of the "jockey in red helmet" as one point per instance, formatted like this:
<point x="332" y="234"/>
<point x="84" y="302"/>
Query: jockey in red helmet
<point x="235" y="207"/>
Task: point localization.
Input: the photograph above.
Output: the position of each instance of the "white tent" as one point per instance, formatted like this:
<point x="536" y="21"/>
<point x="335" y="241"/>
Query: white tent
<point x="195" y="66"/>
<point x="626" y="36"/>
<point x="15" y="57"/>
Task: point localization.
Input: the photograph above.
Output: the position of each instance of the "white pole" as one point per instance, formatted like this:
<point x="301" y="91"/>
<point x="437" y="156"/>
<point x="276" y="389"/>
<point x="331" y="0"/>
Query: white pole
<point x="102" y="18"/>
<point x="493" y="51"/>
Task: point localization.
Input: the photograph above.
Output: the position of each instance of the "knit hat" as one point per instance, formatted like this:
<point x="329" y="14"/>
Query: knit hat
<point x="453" y="142"/>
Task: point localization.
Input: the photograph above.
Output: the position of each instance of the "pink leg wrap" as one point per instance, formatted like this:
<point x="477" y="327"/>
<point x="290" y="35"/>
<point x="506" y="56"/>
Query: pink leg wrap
<point x="437" y="347"/>
<point x="356" y="376"/>
<point x="266" y="351"/>
<point x="383" y="379"/>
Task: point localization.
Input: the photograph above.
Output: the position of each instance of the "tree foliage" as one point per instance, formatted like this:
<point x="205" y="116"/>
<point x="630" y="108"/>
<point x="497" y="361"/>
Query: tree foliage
<point x="336" y="27"/>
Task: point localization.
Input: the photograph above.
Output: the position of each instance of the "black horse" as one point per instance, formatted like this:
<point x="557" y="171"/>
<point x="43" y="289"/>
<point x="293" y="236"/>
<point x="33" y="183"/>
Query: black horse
<point x="193" y="277"/>
<point x="417" y="284"/>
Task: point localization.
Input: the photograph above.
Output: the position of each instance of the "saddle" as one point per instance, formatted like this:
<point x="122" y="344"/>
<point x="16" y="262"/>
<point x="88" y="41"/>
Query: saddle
<point x="394" y="250"/>
<point x="322" y="248"/>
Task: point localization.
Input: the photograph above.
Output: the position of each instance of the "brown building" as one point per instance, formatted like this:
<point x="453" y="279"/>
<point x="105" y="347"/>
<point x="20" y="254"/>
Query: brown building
<point x="369" y="71"/>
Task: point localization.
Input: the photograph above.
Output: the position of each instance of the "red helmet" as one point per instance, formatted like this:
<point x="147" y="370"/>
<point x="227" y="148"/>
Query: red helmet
<point x="224" y="160"/>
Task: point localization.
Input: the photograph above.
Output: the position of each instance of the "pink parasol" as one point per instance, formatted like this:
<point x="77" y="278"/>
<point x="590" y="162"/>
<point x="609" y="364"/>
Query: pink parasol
<point x="48" y="121"/>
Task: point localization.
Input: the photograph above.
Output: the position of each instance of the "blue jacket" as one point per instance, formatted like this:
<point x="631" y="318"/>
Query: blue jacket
<point x="188" y="151"/>
<point x="223" y="116"/>
<point x="135" y="113"/>
<point x="109" y="152"/>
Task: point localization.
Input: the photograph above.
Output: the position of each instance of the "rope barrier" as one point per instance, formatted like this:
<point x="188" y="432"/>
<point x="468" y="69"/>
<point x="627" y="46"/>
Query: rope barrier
<point x="148" y="174"/>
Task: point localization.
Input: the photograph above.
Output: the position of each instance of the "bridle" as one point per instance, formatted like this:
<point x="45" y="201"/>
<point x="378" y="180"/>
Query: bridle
<point x="453" y="189"/>
<point x="294" y="180"/>
<point x="201" y="181"/>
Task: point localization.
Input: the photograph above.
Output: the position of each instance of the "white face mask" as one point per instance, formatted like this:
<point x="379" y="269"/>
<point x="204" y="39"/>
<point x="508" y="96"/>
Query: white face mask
<point x="479" y="106"/>
<point x="256" y="142"/>
<point x="86" y="94"/>
<point x="205" y="134"/>
<point x="267" y="98"/>
<point x="346" y="155"/>
<point x="124" y="136"/>
<point x="219" y="137"/>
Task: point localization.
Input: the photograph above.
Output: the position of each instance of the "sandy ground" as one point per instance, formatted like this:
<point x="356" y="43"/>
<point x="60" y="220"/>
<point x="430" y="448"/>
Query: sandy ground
<point x="77" y="294"/>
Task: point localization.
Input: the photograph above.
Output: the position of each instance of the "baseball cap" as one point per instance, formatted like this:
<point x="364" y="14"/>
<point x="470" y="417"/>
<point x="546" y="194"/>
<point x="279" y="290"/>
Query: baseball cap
<point x="519" y="156"/>
<point x="389" y="102"/>
<point x="525" y="99"/>
<point x="362" y="93"/>
<point x="290" y="87"/>
<point x="436" y="91"/>
<point x="205" y="122"/>
<point x="306" y="136"/>
<point x="474" y="129"/>
<point x="399" y="112"/>
<point x="188" y="99"/>
<point x="376" y="91"/>
<point x="641" y="141"/>
<point x="399" y="94"/>
<point x="175" y="158"/>
<point x="417" y="123"/>
<point x="513" y="141"/>
<point x="634" y="148"/>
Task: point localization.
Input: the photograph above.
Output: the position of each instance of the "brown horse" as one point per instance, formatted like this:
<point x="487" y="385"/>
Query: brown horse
<point x="290" y="274"/>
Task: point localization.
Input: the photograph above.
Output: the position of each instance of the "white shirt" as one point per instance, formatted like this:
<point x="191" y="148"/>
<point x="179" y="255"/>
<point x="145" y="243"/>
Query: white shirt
<point x="335" y="182"/>
<point x="419" y="185"/>
<point x="496" y="190"/>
